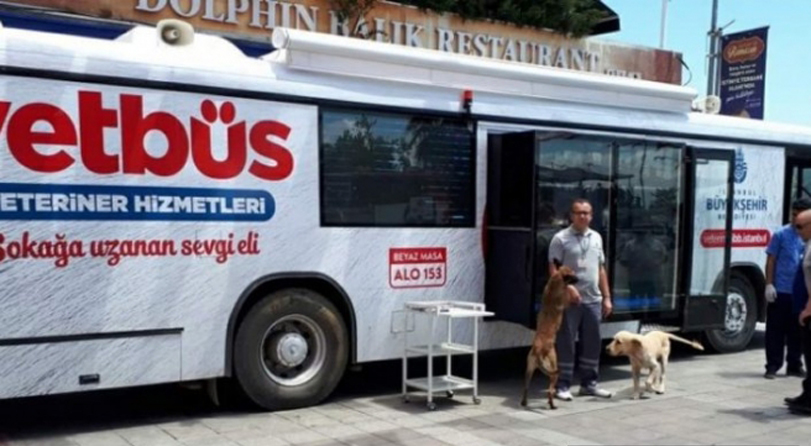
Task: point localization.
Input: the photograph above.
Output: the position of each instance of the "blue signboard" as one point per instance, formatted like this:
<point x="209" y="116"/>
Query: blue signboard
<point x="743" y="73"/>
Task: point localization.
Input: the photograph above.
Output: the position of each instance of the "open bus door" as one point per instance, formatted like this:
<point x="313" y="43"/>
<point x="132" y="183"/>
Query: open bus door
<point x="516" y="266"/>
<point x="510" y="258"/>
<point x="708" y="240"/>
<point x="656" y="205"/>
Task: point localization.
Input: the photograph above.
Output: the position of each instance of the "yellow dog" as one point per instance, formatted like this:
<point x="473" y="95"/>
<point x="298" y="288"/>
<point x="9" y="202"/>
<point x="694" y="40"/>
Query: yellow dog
<point x="650" y="351"/>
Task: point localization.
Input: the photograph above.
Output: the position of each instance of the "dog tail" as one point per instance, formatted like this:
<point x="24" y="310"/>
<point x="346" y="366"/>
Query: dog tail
<point x="695" y="344"/>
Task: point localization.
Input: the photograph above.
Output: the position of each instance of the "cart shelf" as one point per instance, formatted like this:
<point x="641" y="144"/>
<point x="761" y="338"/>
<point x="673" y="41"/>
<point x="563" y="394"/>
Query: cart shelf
<point x="448" y="383"/>
<point x="445" y="348"/>
<point x="441" y="383"/>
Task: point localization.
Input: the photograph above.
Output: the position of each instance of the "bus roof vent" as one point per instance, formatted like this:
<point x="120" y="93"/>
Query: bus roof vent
<point x="338" y="55"/>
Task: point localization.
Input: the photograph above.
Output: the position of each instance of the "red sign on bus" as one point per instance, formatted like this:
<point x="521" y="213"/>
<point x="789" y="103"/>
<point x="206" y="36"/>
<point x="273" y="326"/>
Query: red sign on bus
<point x="417" y="267"/>
<point x="741" y="238"/>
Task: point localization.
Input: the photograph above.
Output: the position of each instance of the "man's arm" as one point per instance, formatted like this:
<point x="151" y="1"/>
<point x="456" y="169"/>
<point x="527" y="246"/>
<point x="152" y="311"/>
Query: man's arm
<point x="806" y="262"/>
<point x="807" y="277"/>
<point x="604" y="290"/>
<point x="770" y="292"/>
<point x="806" y="313"/>
<point x="608" y="307"/>
<point x="807" y="270"/>
<point x="769" y="269"/>
<point x="771" y="260"/>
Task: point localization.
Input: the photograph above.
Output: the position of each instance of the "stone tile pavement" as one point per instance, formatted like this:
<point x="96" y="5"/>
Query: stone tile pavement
<point x="711" y="399"/>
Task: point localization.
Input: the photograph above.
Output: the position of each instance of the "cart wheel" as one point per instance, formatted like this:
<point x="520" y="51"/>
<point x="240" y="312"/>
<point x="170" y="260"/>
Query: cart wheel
<point x="432" y="406"/>
<point x="477" y="400"/>
<point x="449" y="393"/>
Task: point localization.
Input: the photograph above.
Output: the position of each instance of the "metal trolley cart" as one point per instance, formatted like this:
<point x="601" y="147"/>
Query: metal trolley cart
<point x="447" y="383"/>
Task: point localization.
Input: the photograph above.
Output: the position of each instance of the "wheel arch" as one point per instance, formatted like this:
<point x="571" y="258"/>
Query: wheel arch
<point x="314" y="281"/>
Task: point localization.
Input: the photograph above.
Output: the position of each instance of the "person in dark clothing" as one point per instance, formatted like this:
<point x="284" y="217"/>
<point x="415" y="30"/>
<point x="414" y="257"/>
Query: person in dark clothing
<point x="802" y="308"/>
<point x="802" y="401"/>
<point x="784" y="253"/>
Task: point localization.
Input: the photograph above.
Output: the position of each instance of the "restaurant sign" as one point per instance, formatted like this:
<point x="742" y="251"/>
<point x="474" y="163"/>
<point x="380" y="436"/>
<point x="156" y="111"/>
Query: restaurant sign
<point x="393" y="23"/>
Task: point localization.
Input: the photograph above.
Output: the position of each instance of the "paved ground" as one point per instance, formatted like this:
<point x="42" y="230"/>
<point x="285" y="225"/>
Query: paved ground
<point x="711" y="399"/>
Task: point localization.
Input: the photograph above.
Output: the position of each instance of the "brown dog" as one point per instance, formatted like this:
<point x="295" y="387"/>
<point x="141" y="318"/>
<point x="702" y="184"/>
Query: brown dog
<point x="543" y="355"/>
<point x="650" y="351"/>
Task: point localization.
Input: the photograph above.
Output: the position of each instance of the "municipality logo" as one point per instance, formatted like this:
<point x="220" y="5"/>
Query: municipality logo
<point x="740" y="167"/>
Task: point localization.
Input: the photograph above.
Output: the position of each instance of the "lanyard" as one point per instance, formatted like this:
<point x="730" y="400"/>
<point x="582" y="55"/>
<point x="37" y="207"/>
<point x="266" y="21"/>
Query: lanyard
<point x="584" y="250"/>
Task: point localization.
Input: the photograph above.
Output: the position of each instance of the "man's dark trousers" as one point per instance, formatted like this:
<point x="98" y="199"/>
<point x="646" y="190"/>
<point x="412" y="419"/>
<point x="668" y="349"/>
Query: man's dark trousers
<point x="782" y="333"/>
<point x="802" y="403"/>
<point x="805" y="337"/>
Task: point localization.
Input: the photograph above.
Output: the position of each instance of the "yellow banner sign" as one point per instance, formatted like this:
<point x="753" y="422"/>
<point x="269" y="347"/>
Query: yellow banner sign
<point x="396" y="24"/>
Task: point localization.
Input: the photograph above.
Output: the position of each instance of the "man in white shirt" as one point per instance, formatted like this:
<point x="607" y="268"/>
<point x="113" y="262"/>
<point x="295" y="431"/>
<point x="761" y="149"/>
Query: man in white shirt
<point x="581" y="249"/>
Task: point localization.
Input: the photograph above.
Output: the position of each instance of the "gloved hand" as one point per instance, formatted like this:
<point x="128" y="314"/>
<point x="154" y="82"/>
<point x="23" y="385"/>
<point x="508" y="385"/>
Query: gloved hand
<point x="771" y="293"/>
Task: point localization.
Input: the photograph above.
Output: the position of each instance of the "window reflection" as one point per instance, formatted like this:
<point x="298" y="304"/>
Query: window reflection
<point x="647" y="223"/>
<point x="642" y="179"/>
<point x="570" y="168"/>
<point x="385" y="169"/>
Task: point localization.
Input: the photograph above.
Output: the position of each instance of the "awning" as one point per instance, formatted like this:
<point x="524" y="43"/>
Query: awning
<point x="609" y="24"/>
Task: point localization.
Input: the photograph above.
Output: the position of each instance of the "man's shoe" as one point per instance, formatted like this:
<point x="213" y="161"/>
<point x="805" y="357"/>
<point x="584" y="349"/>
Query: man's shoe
<point x="595" y="391"/>
<point x="800" y="406"/>
<point x="793" y="399"/>
<point x="563" y="394"/>
<point x="800" y="373"/>
<point x="770" y="375"/>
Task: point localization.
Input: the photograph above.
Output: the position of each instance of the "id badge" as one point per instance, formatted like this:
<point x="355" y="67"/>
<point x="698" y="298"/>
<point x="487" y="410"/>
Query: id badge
<point x="581" y="263"/>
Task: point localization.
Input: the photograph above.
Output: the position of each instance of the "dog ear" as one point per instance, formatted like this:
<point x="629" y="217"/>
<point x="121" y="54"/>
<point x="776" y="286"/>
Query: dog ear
<point x="636" y="342"/>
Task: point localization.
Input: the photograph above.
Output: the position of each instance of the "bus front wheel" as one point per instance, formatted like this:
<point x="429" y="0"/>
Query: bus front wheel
<point x="291" y="350"/>
<point x="740" y="320"/>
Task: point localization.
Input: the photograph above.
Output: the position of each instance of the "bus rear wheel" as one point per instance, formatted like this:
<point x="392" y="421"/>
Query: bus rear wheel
<point x="741" y="317"/>
<point x="291" y="350"/>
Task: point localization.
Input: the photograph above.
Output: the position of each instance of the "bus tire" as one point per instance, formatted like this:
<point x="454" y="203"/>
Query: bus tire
<point x="741" y="317"/>
<point x="291" y="350"/>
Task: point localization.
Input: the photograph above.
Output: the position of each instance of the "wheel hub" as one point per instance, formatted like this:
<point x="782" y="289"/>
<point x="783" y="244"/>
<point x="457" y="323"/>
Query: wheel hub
<point x="294" y="350"/>
<point x="735" y="314"/>
<point x="291" y="349"/>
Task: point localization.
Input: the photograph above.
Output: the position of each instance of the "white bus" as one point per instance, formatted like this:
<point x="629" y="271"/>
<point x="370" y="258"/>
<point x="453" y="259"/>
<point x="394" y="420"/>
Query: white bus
<point x="177" y="213"/>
